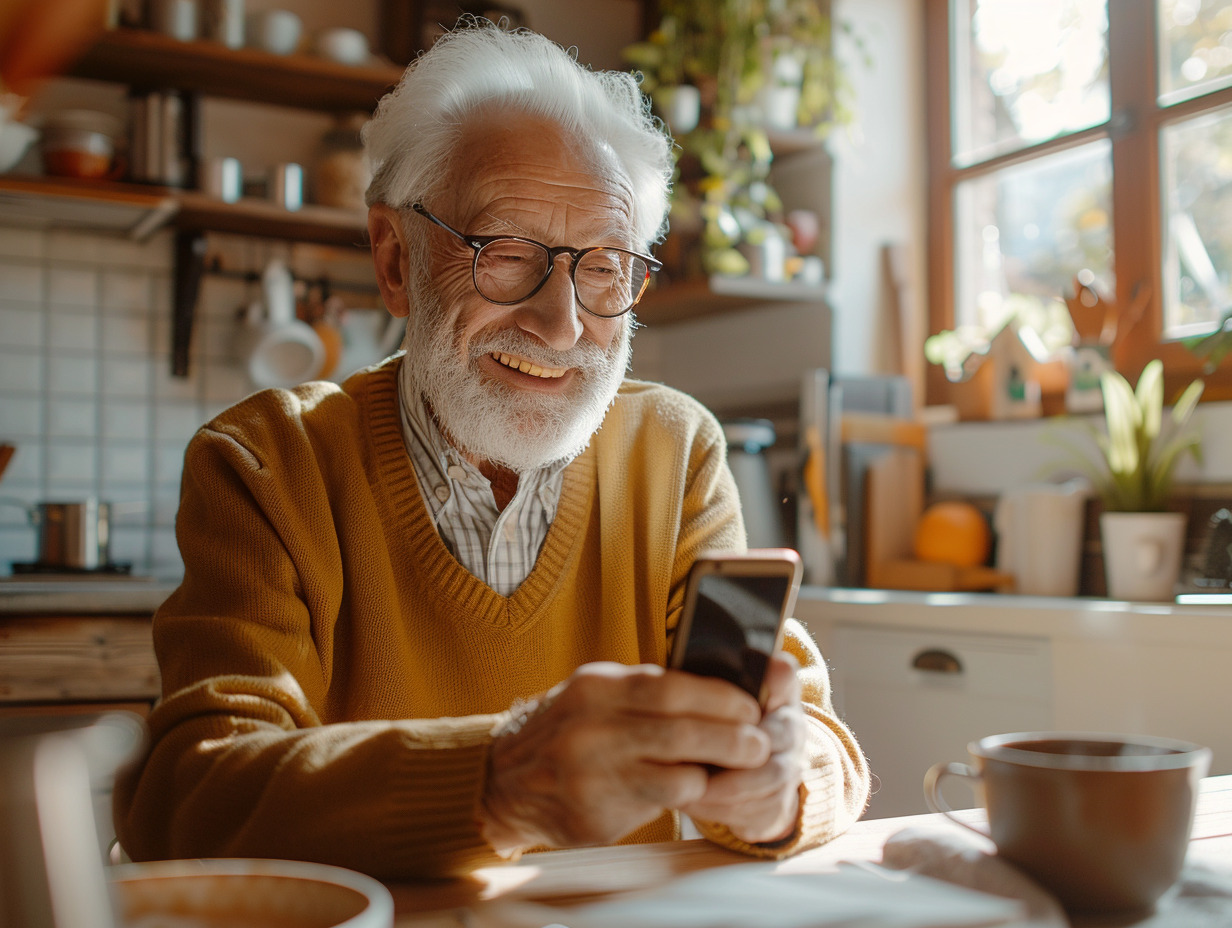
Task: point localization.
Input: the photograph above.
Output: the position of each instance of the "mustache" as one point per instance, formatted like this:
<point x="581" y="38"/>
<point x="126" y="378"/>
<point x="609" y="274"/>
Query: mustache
<point x="585" y="356"/>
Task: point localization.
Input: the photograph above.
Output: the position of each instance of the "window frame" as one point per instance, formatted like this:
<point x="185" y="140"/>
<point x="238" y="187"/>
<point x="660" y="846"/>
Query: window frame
<point x="1137" y="233"/>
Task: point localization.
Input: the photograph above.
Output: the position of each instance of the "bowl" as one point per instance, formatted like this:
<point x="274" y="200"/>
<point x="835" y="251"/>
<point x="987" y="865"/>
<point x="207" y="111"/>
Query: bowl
<point x="224" y="893"/>
<point x="345" y="46"/>
<point x="276" y="31"/>
<point x="79" y="143"/>
<point x="15" y="138"/>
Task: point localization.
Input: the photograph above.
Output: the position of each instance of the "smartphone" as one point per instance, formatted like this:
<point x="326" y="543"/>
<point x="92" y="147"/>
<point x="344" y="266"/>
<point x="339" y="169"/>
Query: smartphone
<point x="734" y="609"/>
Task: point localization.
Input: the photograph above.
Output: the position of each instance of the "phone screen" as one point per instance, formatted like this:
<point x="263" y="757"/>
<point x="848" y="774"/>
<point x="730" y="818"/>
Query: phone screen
<point x="734" y="629"/>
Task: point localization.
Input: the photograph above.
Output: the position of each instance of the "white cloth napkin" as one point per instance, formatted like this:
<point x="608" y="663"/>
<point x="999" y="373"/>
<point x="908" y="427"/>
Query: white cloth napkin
<point x="960" y="857"/>
<point x="1202" y="897"/>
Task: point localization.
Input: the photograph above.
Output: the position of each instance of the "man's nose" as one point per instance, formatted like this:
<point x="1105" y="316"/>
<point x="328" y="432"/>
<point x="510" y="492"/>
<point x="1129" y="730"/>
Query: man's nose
<point x="552" y="314"/>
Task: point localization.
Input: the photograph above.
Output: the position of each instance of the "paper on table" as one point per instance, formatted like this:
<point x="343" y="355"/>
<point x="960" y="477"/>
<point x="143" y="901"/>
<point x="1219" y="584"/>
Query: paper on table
<point x="754" y="894"/>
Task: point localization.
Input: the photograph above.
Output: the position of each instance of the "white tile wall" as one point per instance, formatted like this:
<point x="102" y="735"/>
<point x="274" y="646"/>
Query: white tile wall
<point x="86" y="392"/>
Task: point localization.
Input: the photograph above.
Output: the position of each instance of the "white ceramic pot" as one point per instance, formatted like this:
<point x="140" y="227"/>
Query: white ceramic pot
<point x="779" y="107"/>
<point x="681" y="107"/>
<point x="1142" y="554"/>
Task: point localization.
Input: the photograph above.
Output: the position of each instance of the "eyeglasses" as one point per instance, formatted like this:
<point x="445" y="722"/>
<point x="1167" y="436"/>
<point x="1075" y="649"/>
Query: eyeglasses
<point x="508" y="269"/>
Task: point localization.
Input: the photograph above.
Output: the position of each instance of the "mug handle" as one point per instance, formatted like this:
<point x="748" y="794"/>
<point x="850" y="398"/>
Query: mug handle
<point x="932" y="793"/>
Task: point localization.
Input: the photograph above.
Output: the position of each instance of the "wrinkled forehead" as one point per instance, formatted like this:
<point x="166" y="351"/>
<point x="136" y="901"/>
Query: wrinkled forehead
<point x="504" y="157"/>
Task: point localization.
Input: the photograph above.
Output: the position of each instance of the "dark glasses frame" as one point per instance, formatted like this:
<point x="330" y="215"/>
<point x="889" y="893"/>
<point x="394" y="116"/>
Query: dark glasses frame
<point x="479" y="242"/>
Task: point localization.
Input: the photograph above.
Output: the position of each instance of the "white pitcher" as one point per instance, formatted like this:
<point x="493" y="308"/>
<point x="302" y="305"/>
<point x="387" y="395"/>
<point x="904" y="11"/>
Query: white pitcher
<point x="1039" y="536"/>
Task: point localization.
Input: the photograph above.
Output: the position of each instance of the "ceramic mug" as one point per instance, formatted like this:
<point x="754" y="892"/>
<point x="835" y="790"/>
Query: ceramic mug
<point x="276" y="31"/>
<point x="1101" y="820"/>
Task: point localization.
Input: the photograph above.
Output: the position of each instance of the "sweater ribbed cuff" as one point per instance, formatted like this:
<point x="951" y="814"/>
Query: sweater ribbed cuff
<point x="437" y="796"/>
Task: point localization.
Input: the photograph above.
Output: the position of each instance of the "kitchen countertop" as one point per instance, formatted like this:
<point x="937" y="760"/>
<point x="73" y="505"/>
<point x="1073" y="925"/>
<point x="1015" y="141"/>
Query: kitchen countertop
<point x="1208" y="623"/>
<point x="964" y="612"/>
<point x="119" y="596"/>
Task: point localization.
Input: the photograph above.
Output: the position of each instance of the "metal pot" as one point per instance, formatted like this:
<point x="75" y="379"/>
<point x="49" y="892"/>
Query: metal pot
<point x="74" y="535"/>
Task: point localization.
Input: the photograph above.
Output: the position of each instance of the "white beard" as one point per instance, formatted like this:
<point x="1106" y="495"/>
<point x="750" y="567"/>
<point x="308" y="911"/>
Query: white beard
<point x="487" y="419"/>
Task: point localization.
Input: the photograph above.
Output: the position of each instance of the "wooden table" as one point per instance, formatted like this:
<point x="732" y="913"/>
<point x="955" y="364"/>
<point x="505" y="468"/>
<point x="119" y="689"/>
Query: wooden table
<point x="566" y="877"/>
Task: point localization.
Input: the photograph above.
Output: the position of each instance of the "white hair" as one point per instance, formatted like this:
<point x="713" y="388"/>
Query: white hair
<point x="411" y="138"/>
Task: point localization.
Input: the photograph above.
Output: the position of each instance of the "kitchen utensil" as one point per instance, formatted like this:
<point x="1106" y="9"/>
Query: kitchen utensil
<point x="1039" y="536"/>
<point x="79" y="143"/>
<point x="74" y="535"/>
<point x="747" y="439"/>
<point x="1216" y="562"/>
<point x="282" y="350"/>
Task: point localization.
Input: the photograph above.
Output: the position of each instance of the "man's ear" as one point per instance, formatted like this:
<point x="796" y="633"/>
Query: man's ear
<point x="389" y="256"/>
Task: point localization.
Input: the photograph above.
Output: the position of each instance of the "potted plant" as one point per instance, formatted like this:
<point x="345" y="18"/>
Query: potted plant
<point x="726" y="59"/>
<point x="1133" y="474"/>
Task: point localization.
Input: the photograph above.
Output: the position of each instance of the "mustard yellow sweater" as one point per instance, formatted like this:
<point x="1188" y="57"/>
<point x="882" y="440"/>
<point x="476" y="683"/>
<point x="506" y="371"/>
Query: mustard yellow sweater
<point x="331" y="675"/>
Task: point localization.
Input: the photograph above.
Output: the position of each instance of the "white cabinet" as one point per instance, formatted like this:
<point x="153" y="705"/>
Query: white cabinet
<point x="1028" y="663"/>
<point x="915" y="697"/>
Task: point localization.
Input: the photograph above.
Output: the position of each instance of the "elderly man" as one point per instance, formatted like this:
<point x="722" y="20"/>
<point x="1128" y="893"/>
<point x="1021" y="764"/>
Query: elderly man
<point x="425" y="615"/>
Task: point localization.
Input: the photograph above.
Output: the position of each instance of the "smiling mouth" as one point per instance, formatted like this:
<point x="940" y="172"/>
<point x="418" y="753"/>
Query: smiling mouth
<point x="526" y="367"/>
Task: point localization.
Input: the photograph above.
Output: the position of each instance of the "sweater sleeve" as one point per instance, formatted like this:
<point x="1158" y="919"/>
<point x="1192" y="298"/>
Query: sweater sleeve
<point x="239" y="762"/>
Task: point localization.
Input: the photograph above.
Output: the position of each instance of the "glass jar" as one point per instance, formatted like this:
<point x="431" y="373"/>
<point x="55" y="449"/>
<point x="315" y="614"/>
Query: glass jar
<point x="340" y="171"/>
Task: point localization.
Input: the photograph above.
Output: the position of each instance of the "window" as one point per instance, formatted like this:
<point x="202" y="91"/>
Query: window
<point x="1088" y="137"/>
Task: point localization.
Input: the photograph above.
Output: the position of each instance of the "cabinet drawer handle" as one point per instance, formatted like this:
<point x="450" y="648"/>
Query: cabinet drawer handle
<point x="934" y="660"/>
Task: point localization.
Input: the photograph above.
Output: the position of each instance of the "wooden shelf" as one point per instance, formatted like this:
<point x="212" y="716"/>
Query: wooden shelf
<point x="50" y="202"/>
<point x="323" y="225"/>
<point x="150" y="60"/>
<point x="138" y="211"/>
<point x="718" y="295"/>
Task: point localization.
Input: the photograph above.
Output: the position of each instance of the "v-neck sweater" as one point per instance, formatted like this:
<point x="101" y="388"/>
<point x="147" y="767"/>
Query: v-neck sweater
<point x="332" y="676"/>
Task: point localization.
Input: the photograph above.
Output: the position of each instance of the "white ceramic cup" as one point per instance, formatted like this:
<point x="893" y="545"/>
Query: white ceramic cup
<point x="346" y="46"/>
<point x="224" y="22"/>
<point x="176" y="18"/>
<point x="223" y="179"/>
<point x="276" y="31"/>
<point x="286" y="185"/>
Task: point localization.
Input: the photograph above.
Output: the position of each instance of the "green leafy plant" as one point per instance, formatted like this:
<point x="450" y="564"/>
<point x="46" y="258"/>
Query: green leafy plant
<point x="731" y="51"/>
<point x="1139" y="454"/>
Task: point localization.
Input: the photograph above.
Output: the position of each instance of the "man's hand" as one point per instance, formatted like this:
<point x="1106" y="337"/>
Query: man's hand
<point x="613" y="746"/>
<point x="760" y="804"/>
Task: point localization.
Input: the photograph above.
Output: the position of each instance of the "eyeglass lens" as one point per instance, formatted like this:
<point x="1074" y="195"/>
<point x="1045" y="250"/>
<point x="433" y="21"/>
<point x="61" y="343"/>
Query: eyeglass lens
<point x="608" y="281"/>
